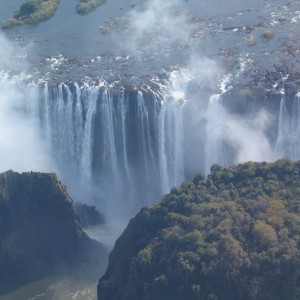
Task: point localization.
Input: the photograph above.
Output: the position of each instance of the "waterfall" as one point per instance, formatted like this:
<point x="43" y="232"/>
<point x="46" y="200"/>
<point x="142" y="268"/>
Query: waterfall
<point x="214" y="133"/>
<point x="109" y="153"/>
<point x="295" y="128"/>
<point x="129" y="147"/>
<point x="171" y="143"/>
<point x="163" y="167"/>
<point x="123" y="108"/>
<point x="288" y="140"/>
<point x="144" y="136"/>
<point x="178" y="133"/>
<point x="85" y="130"/>
<point x="283" y="140"/>
<point x="215" y="124"/>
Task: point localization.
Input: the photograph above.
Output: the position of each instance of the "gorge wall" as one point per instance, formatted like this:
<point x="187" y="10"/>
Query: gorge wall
<point x="40" y="232"/>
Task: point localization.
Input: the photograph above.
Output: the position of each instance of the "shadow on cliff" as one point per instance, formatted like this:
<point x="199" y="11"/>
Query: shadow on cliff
<point x="41" y="236"/>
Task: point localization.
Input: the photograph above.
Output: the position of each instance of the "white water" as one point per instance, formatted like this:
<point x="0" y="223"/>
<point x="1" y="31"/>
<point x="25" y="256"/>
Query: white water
<point x="214" y="133"/>
<point x="126" y="149"/>
<point x="288" y="142"/>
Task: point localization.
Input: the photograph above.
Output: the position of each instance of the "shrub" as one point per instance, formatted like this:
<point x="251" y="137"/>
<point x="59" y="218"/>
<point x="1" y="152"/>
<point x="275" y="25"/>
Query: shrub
<point x="32" y="11"/>
<point x="85" y="6"/>
<point x="268" y="34"/>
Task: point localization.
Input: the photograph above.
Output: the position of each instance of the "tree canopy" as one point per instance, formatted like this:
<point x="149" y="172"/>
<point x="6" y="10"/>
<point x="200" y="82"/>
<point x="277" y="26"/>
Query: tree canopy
<point x="233" y="235"/>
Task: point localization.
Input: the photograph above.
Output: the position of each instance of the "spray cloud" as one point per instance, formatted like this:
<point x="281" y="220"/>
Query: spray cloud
<point x="21" y="146"/>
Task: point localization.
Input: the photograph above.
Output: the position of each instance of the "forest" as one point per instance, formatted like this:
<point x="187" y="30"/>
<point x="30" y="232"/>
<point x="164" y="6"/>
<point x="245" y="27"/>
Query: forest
<point x="231" y="235"/>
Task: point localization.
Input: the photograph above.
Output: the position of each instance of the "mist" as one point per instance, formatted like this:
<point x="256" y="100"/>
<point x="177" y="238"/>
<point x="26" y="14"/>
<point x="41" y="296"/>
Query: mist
<point x="248" y="136"/>
<point x="207" y="126"/>
<point x="157" y="24"/>
<point x="21" y="146"/>
<point x="122" y="151"/>
<point x="212" y="133"/>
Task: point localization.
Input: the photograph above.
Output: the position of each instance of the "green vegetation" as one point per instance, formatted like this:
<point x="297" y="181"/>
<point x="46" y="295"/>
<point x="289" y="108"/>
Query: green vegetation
<point x="85" y="6"/>
<point x="32" y="11"/>
<point x="108" y="25"/>
<point x="35" y="11"/>
<point x="233" y="235"/>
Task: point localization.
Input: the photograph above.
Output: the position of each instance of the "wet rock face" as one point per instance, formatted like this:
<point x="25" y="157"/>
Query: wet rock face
<point x="40" y="232"/>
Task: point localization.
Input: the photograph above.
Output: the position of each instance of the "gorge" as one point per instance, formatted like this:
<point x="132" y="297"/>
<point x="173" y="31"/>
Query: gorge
<point x="135" y="98"/>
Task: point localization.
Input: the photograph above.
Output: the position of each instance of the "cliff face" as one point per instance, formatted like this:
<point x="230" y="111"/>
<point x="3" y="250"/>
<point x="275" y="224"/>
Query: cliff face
<point x="233" y="235"/>
<point x="39" y="230"/>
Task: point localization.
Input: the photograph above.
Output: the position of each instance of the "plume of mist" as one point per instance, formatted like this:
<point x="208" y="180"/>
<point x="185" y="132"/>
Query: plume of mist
<point x="248" y="136"/>
<point x="12" y="56"/>
<point x="212" y="133"/>
<point x="167" y="22"/>
<point x="21" y="146"/>
<point x="156" y="25"/>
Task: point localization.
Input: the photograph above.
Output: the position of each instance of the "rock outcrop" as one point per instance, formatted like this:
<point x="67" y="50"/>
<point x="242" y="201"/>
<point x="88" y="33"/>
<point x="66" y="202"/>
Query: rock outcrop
<point x="89" y="215"/>
<point x="40" y="231"/>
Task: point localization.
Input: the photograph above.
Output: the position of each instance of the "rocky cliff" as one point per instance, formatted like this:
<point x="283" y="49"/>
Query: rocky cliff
<point x="40" y="232"/>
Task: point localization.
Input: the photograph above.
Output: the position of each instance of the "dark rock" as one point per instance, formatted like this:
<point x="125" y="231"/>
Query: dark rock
<point x="89" y="215"/>
<point x="40" y="232"/>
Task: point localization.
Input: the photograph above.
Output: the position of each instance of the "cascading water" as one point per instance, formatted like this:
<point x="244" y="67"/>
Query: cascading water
<point x="171" y="143"/>
<point x="215" y="127"/>
<point x="86" y="128"/>
<point x="288" y="142"/>
<point x="145" y="145"/>
<point x="127" y="145"/>
<point x="214" y="133"/>
<point x="283" y="129"/>
<point x="295" y="146"/>
<point x="122" y="149"/>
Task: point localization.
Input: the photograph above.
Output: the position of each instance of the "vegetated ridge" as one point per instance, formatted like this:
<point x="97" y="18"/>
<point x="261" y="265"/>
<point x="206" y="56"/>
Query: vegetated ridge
<point x="36" y="11"/>
<point x="32" y="11"/>
<point x="233" y="235"/>
<point x="40" y="232"/>
<point x="85" y="6"/>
